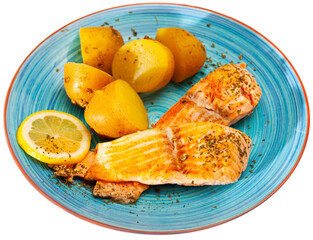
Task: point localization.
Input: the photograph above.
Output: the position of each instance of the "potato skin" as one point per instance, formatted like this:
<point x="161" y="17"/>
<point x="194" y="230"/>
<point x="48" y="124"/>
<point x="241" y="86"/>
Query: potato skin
<point x="81" y="81"/>
<point x="189" y="53"/>
<point x="147" y="65"/>
<point x="98" y="46"/>
<point x="116" y="110"/>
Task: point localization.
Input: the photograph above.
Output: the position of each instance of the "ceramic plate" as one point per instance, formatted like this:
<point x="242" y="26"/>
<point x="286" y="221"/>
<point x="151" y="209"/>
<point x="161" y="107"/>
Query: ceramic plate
<point x="38" y="85"/>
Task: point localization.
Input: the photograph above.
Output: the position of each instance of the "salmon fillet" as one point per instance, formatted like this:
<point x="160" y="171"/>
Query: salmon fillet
<point x="224" y="96"/>
<point x="191" y="154"/>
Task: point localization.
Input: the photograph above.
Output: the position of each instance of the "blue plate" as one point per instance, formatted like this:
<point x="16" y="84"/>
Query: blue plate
<point x="278" y="127"/>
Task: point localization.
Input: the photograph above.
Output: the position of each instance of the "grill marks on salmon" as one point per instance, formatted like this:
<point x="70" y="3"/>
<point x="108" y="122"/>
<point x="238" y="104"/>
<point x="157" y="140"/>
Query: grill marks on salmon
<point x="224" y="96"/>
<point x="191" y="154"/>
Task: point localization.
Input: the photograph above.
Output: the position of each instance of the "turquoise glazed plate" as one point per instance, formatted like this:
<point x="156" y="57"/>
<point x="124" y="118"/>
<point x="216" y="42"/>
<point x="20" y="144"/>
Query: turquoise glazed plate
<point x="38" y="85"/>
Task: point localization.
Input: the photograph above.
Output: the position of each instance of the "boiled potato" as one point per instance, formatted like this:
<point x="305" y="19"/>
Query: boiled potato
<point x="81" y="81"/>
<point x="147" y="65"/>
<point x="189" y="53"/>
<point x="116" y="110"/>
<point x="98" y="46"/>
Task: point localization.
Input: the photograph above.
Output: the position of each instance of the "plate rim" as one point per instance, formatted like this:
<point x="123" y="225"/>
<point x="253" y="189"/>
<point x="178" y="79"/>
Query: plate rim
<point x="143" y="231"/>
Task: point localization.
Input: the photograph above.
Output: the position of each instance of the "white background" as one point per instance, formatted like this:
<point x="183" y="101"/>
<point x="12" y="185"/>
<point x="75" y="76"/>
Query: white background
<point x="26" y="214"/>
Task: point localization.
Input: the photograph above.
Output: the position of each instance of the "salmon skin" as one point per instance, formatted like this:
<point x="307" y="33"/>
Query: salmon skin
<point x="124" y="193"/>
<point x="191" y="154"/>
<point x="224" y="96"/>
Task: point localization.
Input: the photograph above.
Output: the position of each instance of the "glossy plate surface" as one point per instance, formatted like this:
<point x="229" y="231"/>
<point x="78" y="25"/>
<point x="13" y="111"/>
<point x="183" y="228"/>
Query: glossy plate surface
<point x="38" y="85"/>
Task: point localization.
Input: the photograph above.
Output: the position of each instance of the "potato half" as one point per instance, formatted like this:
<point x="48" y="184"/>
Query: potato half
<point x="81" y="81"/>
<point x="116" y="110"/>
<point x="147" y="65"/>
<point x="189" y="53"/>
<point x="98" y="46"/>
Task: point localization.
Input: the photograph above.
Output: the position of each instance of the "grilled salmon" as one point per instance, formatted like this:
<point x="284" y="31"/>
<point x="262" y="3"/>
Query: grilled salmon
<point x="224" y="96"/>
<point x="191" y="154"/>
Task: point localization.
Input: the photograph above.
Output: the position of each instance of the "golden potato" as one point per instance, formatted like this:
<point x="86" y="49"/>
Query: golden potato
<point x="116" y="110"/>
<point x="81" y="81"/>
<point x="147" y="65"/>
<point x="98" y="46"/>
<point x="189" y="53"/>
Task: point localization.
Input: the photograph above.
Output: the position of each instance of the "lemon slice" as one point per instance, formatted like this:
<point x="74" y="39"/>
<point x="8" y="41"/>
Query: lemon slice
<point x="54" y="137"/>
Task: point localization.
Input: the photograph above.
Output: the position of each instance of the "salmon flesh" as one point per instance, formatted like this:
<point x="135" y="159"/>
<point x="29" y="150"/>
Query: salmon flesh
<point x="224" y="96"/>
<point x="191" y="154"/>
